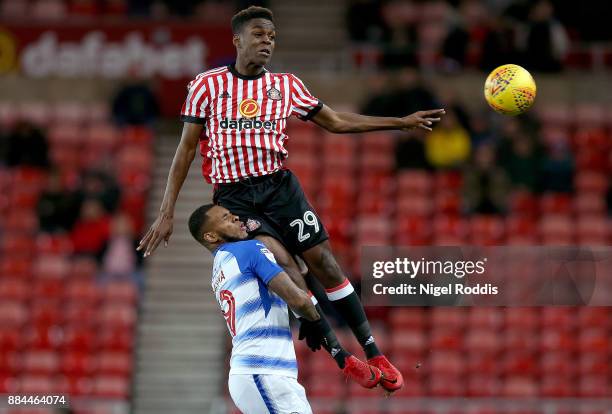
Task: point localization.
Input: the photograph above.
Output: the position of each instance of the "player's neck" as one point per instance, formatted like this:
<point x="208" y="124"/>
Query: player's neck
<point x="246" y="68"/>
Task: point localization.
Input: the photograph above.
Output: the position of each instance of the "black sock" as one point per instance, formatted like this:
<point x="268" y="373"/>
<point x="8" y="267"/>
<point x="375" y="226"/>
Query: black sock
<point x="351" y="309"/>
<point x="330" y="341"/>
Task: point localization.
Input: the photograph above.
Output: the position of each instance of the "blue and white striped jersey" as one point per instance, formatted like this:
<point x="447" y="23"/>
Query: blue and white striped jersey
<point x="257" y="318"/>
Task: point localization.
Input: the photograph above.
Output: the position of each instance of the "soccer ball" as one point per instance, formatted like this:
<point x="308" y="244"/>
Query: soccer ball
<point x="510" y="90"/>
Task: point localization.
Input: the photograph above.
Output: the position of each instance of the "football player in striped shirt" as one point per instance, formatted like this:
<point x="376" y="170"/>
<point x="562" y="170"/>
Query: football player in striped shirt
<point x="253" y="293"/>
<point x="237" y="114"/>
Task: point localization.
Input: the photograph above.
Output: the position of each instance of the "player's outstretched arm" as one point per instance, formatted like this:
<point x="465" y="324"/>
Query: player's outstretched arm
<point x="295" y="297"/>
<point x="161" y="229"/>
<point x="347" y="122"/>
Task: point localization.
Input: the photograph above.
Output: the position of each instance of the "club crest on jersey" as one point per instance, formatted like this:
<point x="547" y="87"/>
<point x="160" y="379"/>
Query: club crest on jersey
<point x="252" y="225"/>
<point x="249" y="108"/>
<point x="274" y="94"/>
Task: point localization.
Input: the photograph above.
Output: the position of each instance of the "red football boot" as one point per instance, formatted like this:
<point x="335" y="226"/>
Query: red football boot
<point x="363" y="374"/>
<point x="392" y="379"/>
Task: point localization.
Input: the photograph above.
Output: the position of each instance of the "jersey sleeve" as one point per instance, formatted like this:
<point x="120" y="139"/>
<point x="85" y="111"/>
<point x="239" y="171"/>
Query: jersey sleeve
<point x="194" y="107"/>
<point x="303" y="104"/>
<point x="263" y="263"/>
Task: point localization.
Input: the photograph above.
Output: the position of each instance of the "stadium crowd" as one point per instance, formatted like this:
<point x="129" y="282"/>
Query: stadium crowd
<point x="451" y="35"/>
<point x="157" y="9"/>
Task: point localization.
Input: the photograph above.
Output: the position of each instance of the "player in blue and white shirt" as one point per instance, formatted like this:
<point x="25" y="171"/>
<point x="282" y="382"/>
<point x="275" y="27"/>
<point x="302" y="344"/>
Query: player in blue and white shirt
<point x="253" y="293"/>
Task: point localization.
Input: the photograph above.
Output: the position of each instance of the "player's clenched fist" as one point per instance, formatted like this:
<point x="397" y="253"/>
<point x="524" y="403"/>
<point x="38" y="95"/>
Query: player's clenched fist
<point x="160" y="230"/>
<point x="422" y="119"/>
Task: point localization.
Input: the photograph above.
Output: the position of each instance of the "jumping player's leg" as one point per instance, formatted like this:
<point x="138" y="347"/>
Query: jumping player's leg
<point x="289" y="211"/>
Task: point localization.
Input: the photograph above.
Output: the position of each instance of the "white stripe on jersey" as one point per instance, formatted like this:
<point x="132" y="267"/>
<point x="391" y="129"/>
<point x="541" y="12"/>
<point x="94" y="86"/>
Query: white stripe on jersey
<point x="240" y="147"/>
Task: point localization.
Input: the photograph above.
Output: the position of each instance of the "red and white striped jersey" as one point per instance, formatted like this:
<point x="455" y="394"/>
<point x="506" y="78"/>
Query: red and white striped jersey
<point x="245" y="119"/>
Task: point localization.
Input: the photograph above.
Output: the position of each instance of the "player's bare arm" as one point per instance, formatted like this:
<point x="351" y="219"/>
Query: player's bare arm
<point x="347" y="122"/>
<point x="161" y="229"/>
<point x="295" y="297"/>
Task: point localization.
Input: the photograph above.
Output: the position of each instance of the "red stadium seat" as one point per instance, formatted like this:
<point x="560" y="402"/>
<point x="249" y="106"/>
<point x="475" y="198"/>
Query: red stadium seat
<point x="593" y="364"/>
<point x="447" y="386"/>
<point x="37" y="384"/>
<point x="447" y="204"/>
<point x="84" y="291"/>
<point x="84" y="268"/>
<point x="76" y="385"/>
<point x="326" y="389"/>
<point x="450" y="181"/>
<point x="101" y="136"/>
<point x="520" y="363"/>
<point x="594" y="340"/>
<point x="8" y="383"/>
<point x="113" y="338"/>
<point x="560" y="339"/>
<point x="69" y="112"/>
<point x="115" y="314"/>
<point x="450" y="227"/>
<point x="40" y="362"/>
<point x="598" y="317"/>
<point x="115" y="363"/>
<point x="137" y="135"/>
<point x="520" y="387"/>
<point x="556" y="203"/>
<point x="556" y="386"/>
<point x="43" y="337"/>
<point x="523" y="203"/>
<point x="22" y="221"/>
<point x="413" y="341"/>
<point x="482" y="385"/>
<point x="76" y="363"/>
<point x="589" y="204"/>
<point x="111" y="387"/>
<point x="485" y="318"/>
<point x="520" y="338"/>
<point x="119" y="292"/>
<point x="17" y="245"/>
<point x="65" y="135"/>
<point x="562" y="318"/>
<point x="10" y="361"/>
<point x="447" y="338"/>
<point x="78" y="313"/>
<point x="483" y="340"/>
<point x="414" y="182"/>
<point x="53" y="244"/>
<point x="14" y="289"/>
<point x="412" y="230"/>
<point x="17" y="267"/>
<point x="443" y="363"/>
<point x="13" y="314"/>
<point x="79" y="338"/>
<point x="487" y="230"/>
<point x="407" y="318"/>
<point x="51" y="266"/>
<point x="591" y="182"/>
<point x="448" y="317"/>
<point x="594" y="386"/>
<point x="10" y="340"/>
<point x="48" y="288"/>
<point x="559" y="363"/>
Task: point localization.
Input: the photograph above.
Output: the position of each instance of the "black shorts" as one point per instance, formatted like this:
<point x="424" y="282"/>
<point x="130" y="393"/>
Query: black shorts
<point x="274" y="204"/>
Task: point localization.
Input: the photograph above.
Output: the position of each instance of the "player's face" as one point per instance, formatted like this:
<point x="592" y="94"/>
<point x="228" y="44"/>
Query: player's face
<point x="226" y="226"/>
<point x="257" y="41"/>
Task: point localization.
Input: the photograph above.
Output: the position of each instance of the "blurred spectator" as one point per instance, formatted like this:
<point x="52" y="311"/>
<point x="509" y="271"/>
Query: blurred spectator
<point x="399" y="33"/>
<point x="139" y="7"/>
<point x="120" y="258"/>
<point x="448" y="145"/>
<point x="364" y="21"/>
<point x="102" y="187"/>
<point x="27" y="145"/>
<point x="464" y="39"/>
<point x="498" y="45"/>
<point x="92" y="229"/>
<point x="410" y="152"/>
<point x="84" y="8"/>
<point x="545" y="42"/>
<point x="135" y="103"/>
<point x="486" y="184"/>
<point x="481" y="131"/>
<point x="558" y="169"/>
<point x="57" y="207"/>
<point x="379" y="101"/>
<point x="519" y="155"/>
<point x="409" y="94"/>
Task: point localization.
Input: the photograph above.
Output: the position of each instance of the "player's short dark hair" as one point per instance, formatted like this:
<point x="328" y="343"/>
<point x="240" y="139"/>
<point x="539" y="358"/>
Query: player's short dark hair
<point x="198" y="221"/>
<point x="253" y="12"/>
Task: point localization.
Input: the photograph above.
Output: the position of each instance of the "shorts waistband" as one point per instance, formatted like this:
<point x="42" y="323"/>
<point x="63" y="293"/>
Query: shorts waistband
<point x="250" y="181"/>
